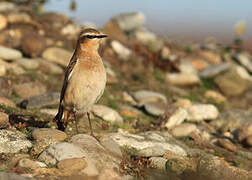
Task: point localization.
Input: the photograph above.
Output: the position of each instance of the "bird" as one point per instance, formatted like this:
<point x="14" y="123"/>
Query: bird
<point x="84" y="80"/>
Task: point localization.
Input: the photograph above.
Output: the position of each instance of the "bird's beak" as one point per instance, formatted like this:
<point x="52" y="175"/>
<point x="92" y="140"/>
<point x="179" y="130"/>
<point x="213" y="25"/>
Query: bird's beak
<point x="102" y="36"/>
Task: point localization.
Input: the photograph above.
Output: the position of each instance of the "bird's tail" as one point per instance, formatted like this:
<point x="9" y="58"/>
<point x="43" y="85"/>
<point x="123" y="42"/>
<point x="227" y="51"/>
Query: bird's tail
<point x="58" y="118"/>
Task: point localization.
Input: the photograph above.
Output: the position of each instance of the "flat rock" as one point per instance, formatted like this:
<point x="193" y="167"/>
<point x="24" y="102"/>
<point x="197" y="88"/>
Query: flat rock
<point x="73" y="164"/>
<point x="60" y="151"/>
<point x="4" y="120"/>
<point x="183" y="130"/>
<point x="216" y="96"/>
<point x="57" y="55"/>
<point x="153" y="151"/>
<point x="107" y="113"/>
<point x="110" y="145"/>
<point x="48" y="133"/>
<point x="9" y="53"/>
<point x="182" y="79"/>
<point x="29" y="89"/>
<point x="13" y="142"/>
<point x="40" y="101"/>
<point x="214" y="70"/>
<point x="155" y="109"/>
<point x="177" y="116"/>
<point x="199" y="112"/>
<point x="29" y="64"/>
<point x="144" y="96"/>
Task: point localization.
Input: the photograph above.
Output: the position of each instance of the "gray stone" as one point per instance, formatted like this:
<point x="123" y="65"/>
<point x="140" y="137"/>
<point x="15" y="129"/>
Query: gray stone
<point x="12" y="176"/>
<point x="48" y="133"/>
<point x="9" y="54"/>
<point x="144" y="96"/>
<point x="182" y="79"/>
<point x="122" y="51"/>
<point x="183" y="130"/>
<point x="57" y="55"/>
<point x="49" y="67"/>
<point x="110" y="145"/>
<point x="29" y="64"/>
<point x="29" y="89"/>
<point x="215" y="70"/>
<point x="245" y="60"/>
<point x="177" y="117"/>
<point x="152" y="151"/>
<point x="60" y="151"/>
<point x="199" y="112"/>
<point x="155" y="109"/>
<point x="13" y="142"/>
<point x="107" y="113"/>
<point x="40" y="101"/>
<point x="130" y="21"/>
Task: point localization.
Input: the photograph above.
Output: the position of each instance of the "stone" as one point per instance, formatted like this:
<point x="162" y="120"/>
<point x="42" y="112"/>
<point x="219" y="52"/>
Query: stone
<point x="123" y="52"/>
<point x="49" y="67"/>
<point x="41" y="145"/>
<point x="216" y="96"/>
<point x="158" y="163"/>
<point x="214" y="70"/>
<point x="243" y="73"/>
<point x="186" y="67"/>
<point x="13" y="142"/>
<point x="130" y="21"/>
<point x="9" y="53"/>
<point x="144" y="96"/>
<point x="244" y="131"/>
<point x="183" y="130"/>
<point x="155" y="109"/>
<point x="227" y="145"/>
<point x="60" y="151"/>
<point x="70" y="29"/>
<point x="48" y="133"/>
<point x="107" y="114"/>
<point x="165" y="52"/>
<point x="153" y="151"/>
<point x="146" y="140"/>
<point x="231" y="83"/>
<point x="109" y="174"/>
<point x="51" y="112"/>
<point x="2" y="70"/>
<point x="33" y="45"/>
<point x="212" y="167"/>
<point x="12" y="176"/>
<point x="29" y="89"/>
<point x="18" y="18"/>
<point x="182" y="79"/>
<point x="211" y="57"/>
<point x="7" y="6"/>
<point x="27" y="163"/>
<point x="176" y="117"/>
<point x="40" y="101"/>
<point x="113" y="30"/>
<point x="73" y="164"/>
<point x="29" y="64"/>
<point x="182" y="102"/>
<point x="57" y="55"/>
<point x="249" y="141"/>
<point x="17" y="70"/>
<point x="3" y="22"/>
<point x="5" y="101"/>
<point x="4" y="120"/>
<point x="5" y="89"/>
<point x="199" y="112"/>
<point x="245" y="60"/>
<point x="110" y="145"/>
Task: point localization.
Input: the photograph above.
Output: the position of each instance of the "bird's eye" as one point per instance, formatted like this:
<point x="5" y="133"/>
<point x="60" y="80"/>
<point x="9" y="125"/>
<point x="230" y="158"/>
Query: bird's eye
<point x="90" y="36"/>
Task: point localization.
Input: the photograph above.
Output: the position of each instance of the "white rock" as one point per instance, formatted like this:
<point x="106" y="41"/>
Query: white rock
<point x="199" y="112"/>
<point x="186" y="67"/>
<point x="245" y="60"/>
<point x="7" y="6"/>
<point x="176" y="118"/>
<point x="29" y="64"/>
<point x="13" y="142"/>
<point x="122" y="51"/>
<point x="183" y="130"/>
<point x="144" y="96"/>
<point x="107" y="113"/>
<point x="243" y="73"/>
<point x="182" y="79"/>
<point x="70" y="29"/>
<point x="9" y="53"/>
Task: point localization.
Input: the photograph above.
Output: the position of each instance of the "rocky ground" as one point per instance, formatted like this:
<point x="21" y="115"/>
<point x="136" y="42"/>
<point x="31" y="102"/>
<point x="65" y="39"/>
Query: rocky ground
<point x="169" y="111"/>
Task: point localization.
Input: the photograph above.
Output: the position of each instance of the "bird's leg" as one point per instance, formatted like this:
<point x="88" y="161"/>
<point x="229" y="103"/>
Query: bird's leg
<point x="90" y="125"/>
<point x="62" y="125"/>
<point x="76" y="121"/>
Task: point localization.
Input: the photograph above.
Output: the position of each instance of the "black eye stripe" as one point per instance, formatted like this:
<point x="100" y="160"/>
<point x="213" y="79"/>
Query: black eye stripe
<point x="95" y="36"/>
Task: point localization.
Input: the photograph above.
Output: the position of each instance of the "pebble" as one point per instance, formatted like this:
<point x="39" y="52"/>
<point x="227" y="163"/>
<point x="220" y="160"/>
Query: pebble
<point x="144" y="96"/>
<point x="29" y="64"/>
<point x="130" y="21"/>
<point x="177" y="117"/>
<point x="9" y="53"/>
<point x="216" y="96"/>
<point x="57" y="55"/>
<point x="29" y="89"/>
<point x="155" y="109"/>
<point x="199" y="112"/>
<point x="227" y="145"/>
<point x="215" y="70"/>
<point x="40" y="101"/>
<point x="107" y="114"/>
<point x="48" y="133"/>
<point x="182" y="79"/>
<point x="4" y="120"/>
<point x="13" y="142"/>
<point x="183" y="130"/>
<point x="122" y="51"/>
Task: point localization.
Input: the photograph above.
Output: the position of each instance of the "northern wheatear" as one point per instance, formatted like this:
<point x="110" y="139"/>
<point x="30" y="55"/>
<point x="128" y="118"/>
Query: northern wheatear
<point x="85" y="79"/>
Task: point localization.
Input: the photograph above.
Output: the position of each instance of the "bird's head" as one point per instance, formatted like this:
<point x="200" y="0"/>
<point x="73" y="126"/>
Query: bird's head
<point x="90" y="38"/>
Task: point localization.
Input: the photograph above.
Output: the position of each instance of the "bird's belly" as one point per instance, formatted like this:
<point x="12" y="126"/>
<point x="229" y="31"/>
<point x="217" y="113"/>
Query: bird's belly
<point x="84" y="90"/>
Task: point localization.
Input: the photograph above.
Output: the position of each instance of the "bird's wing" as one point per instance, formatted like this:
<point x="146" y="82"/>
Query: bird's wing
<point x="67" y="73"/>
